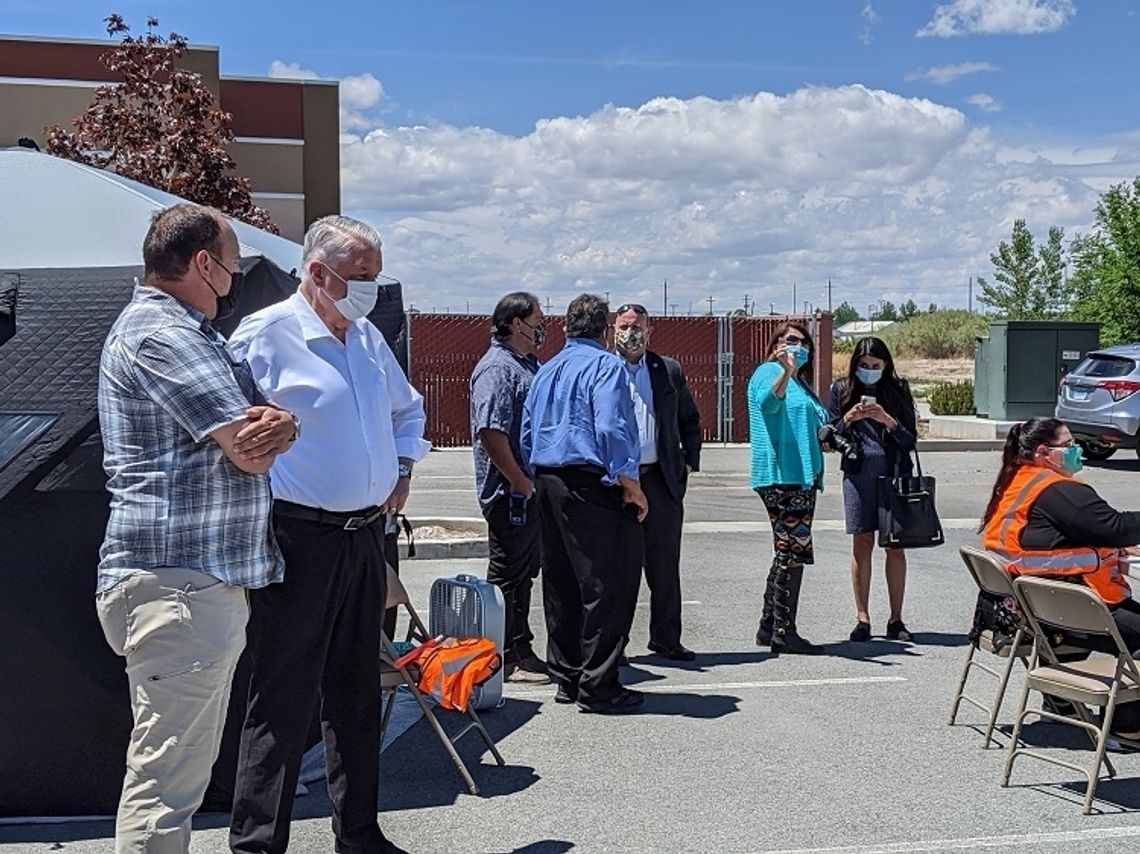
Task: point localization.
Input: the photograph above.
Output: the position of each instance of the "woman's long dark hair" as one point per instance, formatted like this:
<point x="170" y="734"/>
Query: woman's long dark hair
<point x="805" y="373"/>
<point x="1020" y="446"/>
<point x="891" y="392"/>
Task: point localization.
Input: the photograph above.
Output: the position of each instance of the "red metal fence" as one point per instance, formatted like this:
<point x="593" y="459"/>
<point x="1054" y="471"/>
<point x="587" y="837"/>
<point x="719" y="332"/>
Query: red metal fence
<point x="718" y="355"/>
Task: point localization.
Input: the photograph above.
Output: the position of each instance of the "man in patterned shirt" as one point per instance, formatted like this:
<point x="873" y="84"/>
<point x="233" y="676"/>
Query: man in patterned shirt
<point x="187" y="441"/>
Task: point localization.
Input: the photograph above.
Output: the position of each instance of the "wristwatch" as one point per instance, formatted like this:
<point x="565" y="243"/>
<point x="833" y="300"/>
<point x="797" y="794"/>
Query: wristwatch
<point x="405" y="470"/>
<point x="296" y="427"/>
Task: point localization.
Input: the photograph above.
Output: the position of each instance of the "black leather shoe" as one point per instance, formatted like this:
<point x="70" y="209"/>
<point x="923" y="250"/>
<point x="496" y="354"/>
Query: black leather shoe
<point x="763" y="637"/>
<point x="792" y="644"/>
<point x="861" y="633"/>
<point x="565" y="694"/>
<point x="674" y="653"/>
<point x="621" y="703"/>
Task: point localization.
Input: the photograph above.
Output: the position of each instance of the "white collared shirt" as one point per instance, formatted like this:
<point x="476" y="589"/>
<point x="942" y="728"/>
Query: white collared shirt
<point x="641" y="390"/>
<point x="358" y="412"/>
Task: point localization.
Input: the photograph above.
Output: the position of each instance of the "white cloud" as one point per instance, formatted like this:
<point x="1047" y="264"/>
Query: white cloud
<point x="291" y="71"/>
<point x="998" y="17"/>
<point x="985" y="103"/>
<point x="870" y="21"/>
<point x="884" y="194"/>
<point x="360" y="94"/>
<point x="943" y="74"/>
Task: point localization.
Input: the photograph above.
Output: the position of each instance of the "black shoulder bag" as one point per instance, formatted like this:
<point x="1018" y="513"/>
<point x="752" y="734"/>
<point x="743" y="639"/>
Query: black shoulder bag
<point x="907" y="515"/>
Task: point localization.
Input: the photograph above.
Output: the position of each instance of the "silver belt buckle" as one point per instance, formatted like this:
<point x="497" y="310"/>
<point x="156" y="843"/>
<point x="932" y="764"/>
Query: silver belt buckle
<point x="355" y="523"/>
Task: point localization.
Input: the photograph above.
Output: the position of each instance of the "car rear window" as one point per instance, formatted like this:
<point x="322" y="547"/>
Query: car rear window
<point x="1106" y="366"/>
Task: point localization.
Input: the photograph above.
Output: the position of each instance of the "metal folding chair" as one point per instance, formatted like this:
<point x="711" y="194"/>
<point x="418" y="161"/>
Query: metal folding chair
<point x="1099" y="681"/>
<point x="991" y="577"/>
<point x="393" y="675"/>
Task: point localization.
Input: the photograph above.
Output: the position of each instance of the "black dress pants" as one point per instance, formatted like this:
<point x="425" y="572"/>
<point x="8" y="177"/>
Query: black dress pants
<point x="314" y="641"/>
<point x="515" y="557"/>
<point x="591" y="552"/>
<point x="662" y="532"/>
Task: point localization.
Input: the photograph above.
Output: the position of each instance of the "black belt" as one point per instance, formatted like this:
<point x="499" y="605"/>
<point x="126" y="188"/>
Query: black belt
<point x="352" y="521"/>
<point x="647" y="466"/>
<point x="578" y="469"/>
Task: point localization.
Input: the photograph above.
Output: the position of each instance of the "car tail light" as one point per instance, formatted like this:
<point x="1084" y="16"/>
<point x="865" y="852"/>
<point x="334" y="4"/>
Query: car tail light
<point x="1120" y="389"/>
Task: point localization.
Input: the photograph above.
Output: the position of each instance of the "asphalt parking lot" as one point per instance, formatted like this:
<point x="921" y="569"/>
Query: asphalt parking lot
<point x="739" y="752"/>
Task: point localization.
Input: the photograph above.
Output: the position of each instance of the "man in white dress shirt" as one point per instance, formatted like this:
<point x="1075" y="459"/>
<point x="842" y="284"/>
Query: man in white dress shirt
<point x="314" y="639"/>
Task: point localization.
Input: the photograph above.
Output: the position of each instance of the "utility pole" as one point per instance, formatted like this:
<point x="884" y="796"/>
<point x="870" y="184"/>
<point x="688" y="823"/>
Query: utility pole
<point x="829" y="296"/>
<point x="746" y="305"/>
<point x="711" y="300"/>
<point x="548" y="305"/>
<point x="793" y="297"/>
<point x="468" y="306"/>
<point x="807" y="306"/>
<point x="665" y="302"/>
<point x="970" y="303"/>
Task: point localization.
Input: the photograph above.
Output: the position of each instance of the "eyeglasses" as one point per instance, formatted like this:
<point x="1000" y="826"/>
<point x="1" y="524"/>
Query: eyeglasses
<point x="793" y="339"/>
<point x="632" y="306"/>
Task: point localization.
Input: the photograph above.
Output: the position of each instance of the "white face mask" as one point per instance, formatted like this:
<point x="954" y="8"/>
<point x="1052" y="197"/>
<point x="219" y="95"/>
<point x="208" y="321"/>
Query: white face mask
<point x="360" y="299"/>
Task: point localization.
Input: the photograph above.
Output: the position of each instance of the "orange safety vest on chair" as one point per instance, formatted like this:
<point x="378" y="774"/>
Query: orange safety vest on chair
<point x="1099" y="568"/>
<point x="450" y="670"/>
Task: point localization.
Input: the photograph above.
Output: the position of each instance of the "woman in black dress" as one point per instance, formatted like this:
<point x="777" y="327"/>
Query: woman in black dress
<point x="874" y="409"/>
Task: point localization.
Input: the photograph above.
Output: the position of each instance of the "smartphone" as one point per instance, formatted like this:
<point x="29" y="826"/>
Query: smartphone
<point x="516" y="509"/>
<point x="867" y="400"/>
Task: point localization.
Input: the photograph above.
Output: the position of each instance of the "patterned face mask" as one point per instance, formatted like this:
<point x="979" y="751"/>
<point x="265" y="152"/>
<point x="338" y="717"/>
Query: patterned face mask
<point x="629" y="340"/>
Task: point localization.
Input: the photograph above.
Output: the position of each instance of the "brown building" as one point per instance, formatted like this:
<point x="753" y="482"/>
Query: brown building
<point x="287" y="131"/>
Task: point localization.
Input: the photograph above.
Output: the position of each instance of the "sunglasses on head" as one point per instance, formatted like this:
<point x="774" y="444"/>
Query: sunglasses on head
<point x="632" y="306"/>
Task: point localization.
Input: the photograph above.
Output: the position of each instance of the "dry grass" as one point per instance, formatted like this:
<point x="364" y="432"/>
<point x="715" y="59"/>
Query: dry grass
<point x="922" y="374"/>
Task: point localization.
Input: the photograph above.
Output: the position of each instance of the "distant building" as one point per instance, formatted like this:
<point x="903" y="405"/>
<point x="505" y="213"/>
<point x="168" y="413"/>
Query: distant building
<point x="862" y="328"/>
<point x="287" y="131"/>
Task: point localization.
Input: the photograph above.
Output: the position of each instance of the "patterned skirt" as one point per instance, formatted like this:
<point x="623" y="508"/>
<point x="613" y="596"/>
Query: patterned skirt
<point x="790" y="510"/>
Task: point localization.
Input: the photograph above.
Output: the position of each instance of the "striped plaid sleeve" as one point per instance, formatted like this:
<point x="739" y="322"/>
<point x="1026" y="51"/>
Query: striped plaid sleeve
<point x="187" y="376"/>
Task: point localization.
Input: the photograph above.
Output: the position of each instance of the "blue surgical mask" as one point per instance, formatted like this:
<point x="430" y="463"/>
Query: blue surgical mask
<point x="869" y="376"/>
<point x="1071" y="459"/>
<point x="800" y="353"/>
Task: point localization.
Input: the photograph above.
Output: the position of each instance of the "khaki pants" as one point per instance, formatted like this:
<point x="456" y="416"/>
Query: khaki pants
<point x="181" y="632"/>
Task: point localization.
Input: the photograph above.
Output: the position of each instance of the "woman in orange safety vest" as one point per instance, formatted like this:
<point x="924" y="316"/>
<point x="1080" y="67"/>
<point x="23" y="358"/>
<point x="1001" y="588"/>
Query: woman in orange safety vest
<point x="1042" y="521"/>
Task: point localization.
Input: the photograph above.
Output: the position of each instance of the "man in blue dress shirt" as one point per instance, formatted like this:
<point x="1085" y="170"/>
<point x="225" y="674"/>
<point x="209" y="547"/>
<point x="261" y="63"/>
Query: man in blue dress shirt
<point x="580" y="436"/>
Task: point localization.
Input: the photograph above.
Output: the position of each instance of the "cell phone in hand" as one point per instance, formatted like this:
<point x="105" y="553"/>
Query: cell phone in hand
<point x="867" y="400"/>
<point x="516" y="509"/>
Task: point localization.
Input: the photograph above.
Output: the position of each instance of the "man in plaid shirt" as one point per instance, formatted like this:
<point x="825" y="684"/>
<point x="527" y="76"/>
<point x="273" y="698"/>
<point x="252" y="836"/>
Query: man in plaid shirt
<point x="187" y="441"/>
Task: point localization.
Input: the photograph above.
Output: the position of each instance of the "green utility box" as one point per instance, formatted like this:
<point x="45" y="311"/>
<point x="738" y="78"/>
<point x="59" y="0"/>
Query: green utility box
<point x="1018" y="366"/>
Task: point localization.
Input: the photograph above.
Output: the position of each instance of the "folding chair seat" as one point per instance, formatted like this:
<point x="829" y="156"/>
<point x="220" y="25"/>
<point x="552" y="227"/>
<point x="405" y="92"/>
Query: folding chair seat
<point x="394" y="674"/>
<point x="1101" y="681"/>
<point x="991" y="577"/>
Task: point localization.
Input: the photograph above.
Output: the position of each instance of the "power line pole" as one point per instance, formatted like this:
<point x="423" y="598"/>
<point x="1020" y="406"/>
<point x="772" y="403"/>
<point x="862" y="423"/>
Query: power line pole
<point x="548" y="305"/>
<point x="711" y="300"/>
<point x="970" y="304"/>
<point x="829" y="296"/>
<point x="665" y="302"/>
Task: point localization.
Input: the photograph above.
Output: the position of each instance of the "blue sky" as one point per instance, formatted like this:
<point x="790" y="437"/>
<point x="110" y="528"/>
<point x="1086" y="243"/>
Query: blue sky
<point x="731" y="147"/>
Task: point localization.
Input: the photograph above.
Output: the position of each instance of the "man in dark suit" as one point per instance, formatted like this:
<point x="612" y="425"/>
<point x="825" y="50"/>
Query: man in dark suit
<point x="669" y="425"/>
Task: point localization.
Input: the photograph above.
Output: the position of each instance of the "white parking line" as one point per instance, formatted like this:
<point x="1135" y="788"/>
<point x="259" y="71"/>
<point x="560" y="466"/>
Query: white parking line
<point x="700" y="687"/>
<point x="538" y="607"/>
<point x="760" y="526"/>
<point x="1027" y="841"/>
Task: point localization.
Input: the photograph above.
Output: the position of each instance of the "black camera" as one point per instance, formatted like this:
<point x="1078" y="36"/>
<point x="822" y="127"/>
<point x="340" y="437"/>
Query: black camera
<point x="833" y="440"/>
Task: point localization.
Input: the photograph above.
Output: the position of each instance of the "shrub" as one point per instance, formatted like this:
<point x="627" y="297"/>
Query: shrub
<point x="840" y="362"/>
<point x="952" y="398"/>
<point x="944" y="334"/>
<point x="843" y="345"/>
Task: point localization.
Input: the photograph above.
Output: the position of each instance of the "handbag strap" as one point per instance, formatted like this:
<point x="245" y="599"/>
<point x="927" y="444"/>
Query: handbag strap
<point x="917" y="461"/>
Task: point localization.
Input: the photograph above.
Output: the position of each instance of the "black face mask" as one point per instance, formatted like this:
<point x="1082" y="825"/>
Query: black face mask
<point x="228" y="303"/>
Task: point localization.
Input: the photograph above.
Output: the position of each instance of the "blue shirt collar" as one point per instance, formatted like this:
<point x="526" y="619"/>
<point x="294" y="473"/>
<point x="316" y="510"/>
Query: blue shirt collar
<point x="584" y="342"/>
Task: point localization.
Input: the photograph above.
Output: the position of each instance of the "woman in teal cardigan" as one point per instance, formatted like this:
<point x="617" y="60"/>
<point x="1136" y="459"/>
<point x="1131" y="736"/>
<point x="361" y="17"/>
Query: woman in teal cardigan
<point x="784" y="417"/>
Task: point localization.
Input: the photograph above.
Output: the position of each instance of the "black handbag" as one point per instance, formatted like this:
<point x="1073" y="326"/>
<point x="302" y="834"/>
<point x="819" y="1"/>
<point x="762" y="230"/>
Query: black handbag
<point x="907" y="515"/>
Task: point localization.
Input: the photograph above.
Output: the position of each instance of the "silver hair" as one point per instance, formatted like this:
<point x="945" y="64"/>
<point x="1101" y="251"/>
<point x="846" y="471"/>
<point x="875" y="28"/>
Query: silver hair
<point x="334" y="238"/>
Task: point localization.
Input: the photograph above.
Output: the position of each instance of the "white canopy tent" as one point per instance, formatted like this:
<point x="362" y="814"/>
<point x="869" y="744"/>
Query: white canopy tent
<point x="60" y="214"/>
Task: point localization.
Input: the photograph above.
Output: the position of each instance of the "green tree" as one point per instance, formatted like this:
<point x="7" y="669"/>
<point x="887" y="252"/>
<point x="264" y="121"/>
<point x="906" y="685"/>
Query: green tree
<point x="1106" y="266"/>
<point x="908" y="310"/>
<point x="887" y="311"/>
<point x="159" y="126"/>
<point x="844" y="314"/>
<point x="933" y="307"/>
<point x="1029" y="282"/>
